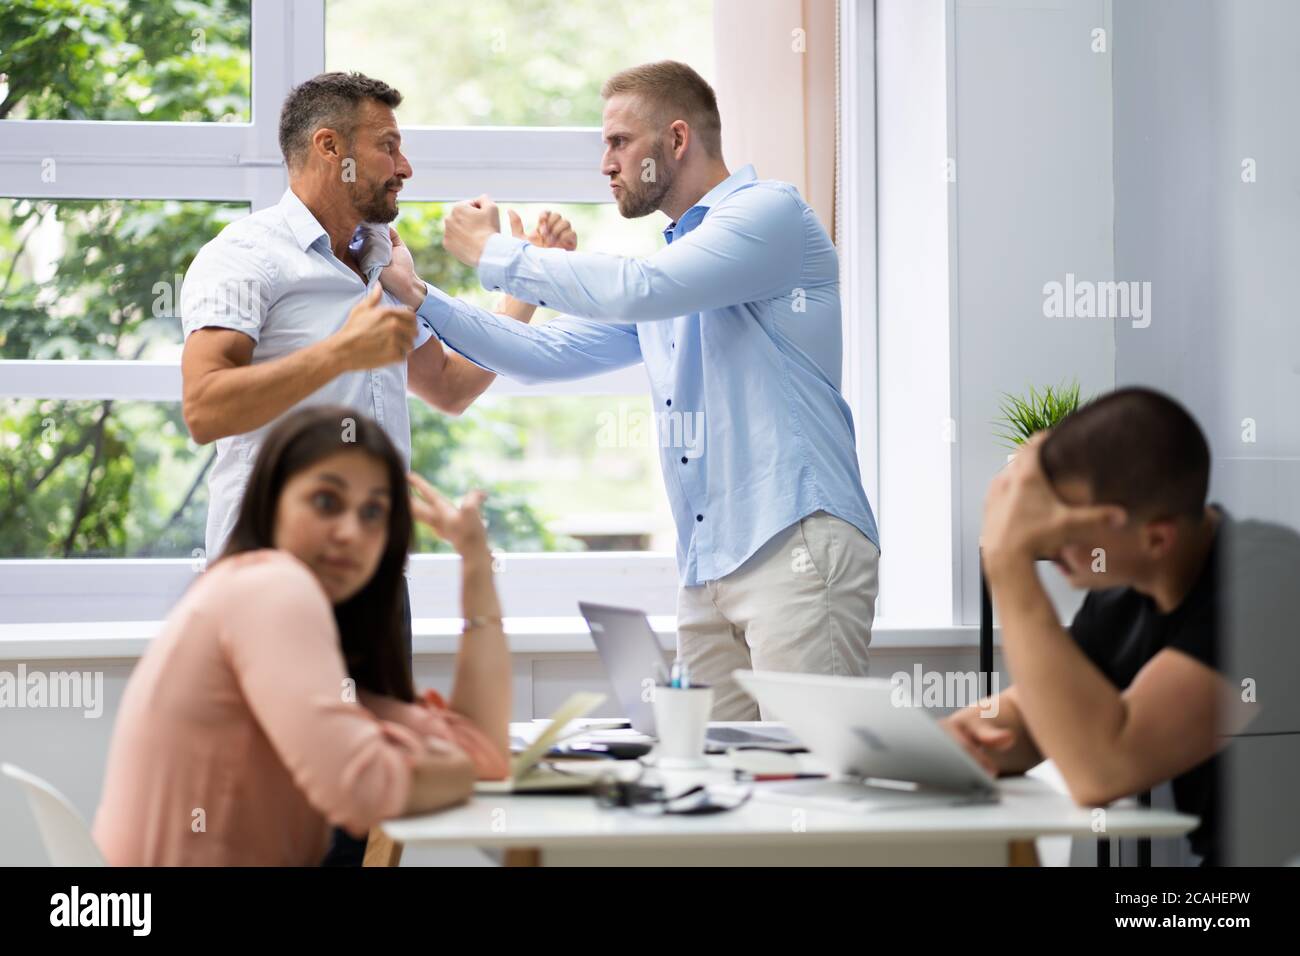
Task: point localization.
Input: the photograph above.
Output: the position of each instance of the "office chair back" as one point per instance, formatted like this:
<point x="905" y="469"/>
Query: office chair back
<point x="66" y="837"/>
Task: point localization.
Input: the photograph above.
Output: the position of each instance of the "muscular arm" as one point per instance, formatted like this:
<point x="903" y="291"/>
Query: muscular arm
<point x="1107" y="744"/>
<point x="1003" y="713"/>
<point x="223" y="393"/>
<point x="447" y="380"/>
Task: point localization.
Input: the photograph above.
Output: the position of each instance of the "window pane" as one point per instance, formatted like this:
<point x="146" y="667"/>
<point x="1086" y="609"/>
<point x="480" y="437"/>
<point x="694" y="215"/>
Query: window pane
<point x="562" y="473"/>
<point x="99" y="279"/>
<point x="507" y="63"/>
<point x="587" y="466"/>
<point x="87" y="479"/>
<point x="83" y="479"/>
<point x="163" y="60"/>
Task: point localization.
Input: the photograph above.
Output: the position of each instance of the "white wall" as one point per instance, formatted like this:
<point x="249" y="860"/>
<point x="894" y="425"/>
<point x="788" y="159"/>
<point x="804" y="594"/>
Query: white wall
<point x="1207" y="84"/>
<point x="1201" y="86"/>
<point x="994" y="165"/>
<point x="1033" y="201"/>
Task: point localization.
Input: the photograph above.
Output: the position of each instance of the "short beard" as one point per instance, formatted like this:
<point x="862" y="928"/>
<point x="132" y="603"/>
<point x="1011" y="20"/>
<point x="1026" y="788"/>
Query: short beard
<point x="646" y="197"/>
<point x="374" y="206"/>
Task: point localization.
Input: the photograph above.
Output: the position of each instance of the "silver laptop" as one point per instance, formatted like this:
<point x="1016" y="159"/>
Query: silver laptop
<point x="634" y="663"/>
<point x="877" y="753"/>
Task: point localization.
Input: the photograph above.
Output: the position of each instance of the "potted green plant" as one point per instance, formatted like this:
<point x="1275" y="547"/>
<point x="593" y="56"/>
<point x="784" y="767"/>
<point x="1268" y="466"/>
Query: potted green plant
<point x="1023" y="416"/>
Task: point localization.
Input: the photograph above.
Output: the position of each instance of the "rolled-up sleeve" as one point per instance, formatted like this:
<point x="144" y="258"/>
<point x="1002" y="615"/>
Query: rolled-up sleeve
<point x="281" y="641"/>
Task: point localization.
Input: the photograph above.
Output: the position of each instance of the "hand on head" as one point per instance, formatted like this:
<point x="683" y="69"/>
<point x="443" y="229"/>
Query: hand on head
<point x="1025" y="518"/>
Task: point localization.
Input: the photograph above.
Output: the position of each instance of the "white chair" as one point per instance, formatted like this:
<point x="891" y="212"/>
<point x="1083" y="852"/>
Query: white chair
<point x="67" y="838"/>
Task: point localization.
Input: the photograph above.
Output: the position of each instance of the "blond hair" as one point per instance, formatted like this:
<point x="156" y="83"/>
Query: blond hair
<point x="673" y="91"/>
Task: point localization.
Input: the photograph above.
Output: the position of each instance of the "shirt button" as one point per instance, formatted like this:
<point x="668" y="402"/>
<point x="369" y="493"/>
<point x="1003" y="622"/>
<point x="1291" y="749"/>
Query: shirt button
<point x="699" y="517"/>
<point x="683" y="459"/>
<point x="540" y="302"/>
<point x="669" y="402"/>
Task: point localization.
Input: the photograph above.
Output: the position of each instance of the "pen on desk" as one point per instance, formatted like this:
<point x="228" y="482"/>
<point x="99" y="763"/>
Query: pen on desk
<point x="763" y="777"/>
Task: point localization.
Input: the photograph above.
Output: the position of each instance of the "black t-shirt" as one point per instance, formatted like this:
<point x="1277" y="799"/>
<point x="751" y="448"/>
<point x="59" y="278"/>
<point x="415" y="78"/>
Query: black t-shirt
<point x="1120" y="630"/>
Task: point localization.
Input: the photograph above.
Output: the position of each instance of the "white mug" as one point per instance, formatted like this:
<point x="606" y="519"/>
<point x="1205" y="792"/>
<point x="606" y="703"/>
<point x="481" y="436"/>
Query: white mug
<point x="681" y="721"/>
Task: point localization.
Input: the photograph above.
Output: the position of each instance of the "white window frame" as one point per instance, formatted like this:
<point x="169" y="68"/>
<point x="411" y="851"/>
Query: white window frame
<point x="241" y="162"/>
<point x="856" y="228"/>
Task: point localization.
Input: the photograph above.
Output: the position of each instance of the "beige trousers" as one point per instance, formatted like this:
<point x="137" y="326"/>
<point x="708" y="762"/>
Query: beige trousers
<point x="803" y="602"/>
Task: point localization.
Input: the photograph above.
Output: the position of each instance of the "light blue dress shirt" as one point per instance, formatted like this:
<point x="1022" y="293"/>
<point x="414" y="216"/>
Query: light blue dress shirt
<point x="737" y="321"/>
<point x="273" y="276"/>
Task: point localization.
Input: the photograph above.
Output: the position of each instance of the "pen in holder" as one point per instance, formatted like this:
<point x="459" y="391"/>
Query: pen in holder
<point x="681" y="721"/>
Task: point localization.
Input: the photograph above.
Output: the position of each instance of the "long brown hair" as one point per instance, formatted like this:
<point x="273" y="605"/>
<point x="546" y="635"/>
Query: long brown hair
<point x="371" y="623"/>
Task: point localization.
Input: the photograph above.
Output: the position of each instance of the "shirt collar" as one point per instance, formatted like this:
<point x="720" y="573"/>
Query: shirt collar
<point x="306" y="230"/>
<point x="691" y="218"/>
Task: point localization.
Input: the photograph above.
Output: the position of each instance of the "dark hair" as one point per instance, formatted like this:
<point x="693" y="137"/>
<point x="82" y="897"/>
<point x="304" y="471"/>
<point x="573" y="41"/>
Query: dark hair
<point x="1136" y="448"/>
<point x="371" y="623"/>
<point x="329" y="99"/>
<point x="673" y="91"/>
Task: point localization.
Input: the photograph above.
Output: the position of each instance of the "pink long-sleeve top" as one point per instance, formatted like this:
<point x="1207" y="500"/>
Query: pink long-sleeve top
<point x="238" y="741"/>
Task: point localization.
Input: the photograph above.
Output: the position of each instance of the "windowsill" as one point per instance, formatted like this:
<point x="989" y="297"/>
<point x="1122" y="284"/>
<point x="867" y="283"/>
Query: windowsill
<point x="127" y="640"/>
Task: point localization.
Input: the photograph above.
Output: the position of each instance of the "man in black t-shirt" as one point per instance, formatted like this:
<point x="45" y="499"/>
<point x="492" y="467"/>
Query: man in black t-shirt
<point x="1131" y="694"/>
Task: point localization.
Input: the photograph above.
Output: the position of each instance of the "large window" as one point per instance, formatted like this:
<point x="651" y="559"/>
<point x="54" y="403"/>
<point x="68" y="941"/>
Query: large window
<point x="99" y="279"/>
<point x="162" y="60"/>
<point x="511" y="63"/>
<point x="132" y="131"/>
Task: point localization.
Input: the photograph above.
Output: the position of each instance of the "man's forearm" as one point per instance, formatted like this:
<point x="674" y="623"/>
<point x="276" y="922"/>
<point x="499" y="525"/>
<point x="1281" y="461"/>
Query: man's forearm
<point x="1003" y="713"/>
<point x="239" y="399"/>
<point x="1074" y="712"/>
<point x="450" y="382"/>
<point x="516" y="309"/>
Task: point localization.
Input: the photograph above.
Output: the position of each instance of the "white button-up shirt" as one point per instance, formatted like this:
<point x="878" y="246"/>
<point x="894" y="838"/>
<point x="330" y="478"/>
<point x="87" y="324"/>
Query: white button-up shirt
<point x="273" y="276"/>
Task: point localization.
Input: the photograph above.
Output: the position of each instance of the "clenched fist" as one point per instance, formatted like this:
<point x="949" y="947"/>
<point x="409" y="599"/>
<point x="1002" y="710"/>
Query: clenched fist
<point x="468" y="227"/>
<point x="376" y="334"/>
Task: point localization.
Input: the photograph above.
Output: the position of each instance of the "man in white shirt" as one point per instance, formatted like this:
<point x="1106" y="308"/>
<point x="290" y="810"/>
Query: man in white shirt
<point x="282" y="309"/>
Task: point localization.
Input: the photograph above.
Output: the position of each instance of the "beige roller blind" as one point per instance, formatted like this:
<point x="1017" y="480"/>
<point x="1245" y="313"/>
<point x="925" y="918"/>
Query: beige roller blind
<point x="776" y="86"/>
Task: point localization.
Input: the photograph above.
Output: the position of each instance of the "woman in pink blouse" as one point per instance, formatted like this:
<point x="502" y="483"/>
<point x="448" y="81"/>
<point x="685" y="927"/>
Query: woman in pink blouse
<point x="277" y="700"/>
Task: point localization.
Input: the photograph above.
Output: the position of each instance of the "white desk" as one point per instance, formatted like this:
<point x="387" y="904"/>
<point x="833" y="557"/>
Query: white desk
<point x="559" y="830"/>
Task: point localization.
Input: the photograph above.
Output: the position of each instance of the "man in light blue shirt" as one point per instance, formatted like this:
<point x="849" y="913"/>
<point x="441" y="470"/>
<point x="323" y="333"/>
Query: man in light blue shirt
<point x="737" y="322"/>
